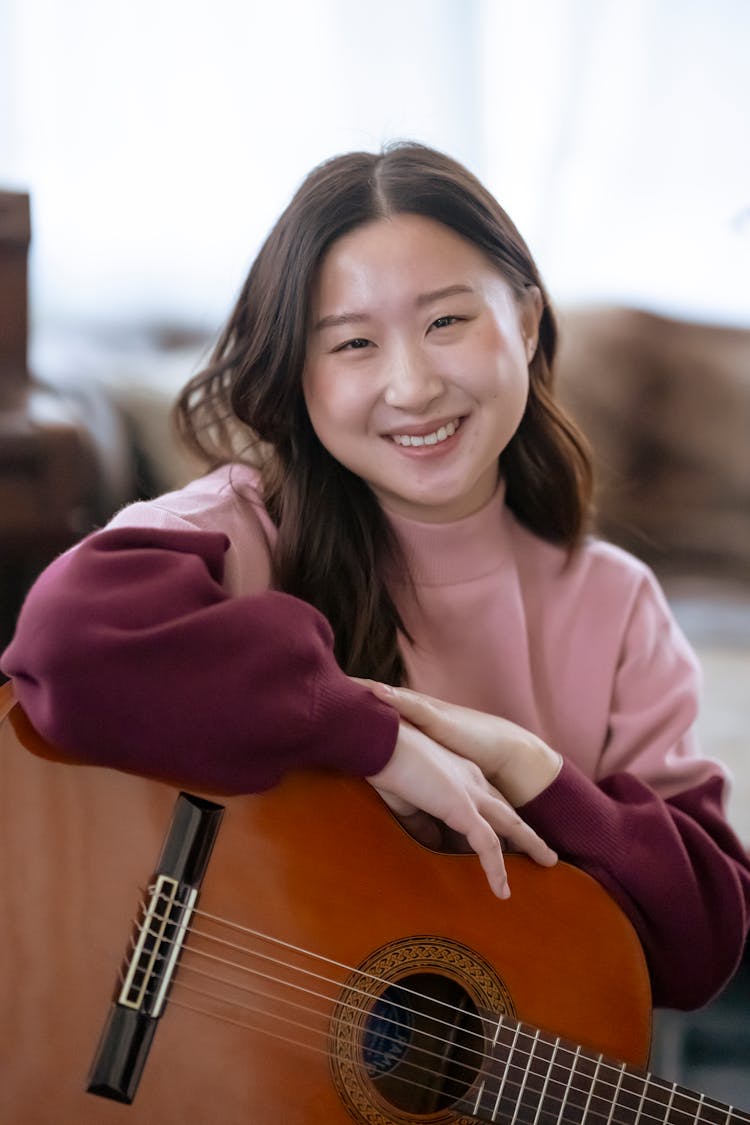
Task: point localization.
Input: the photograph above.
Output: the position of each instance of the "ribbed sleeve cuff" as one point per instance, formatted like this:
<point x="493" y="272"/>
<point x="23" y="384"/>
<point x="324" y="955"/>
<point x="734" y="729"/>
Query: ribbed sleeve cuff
<point x="359" y="731"/>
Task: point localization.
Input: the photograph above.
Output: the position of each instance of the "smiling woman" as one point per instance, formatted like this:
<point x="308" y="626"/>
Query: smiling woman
<point x="419" y="392"/>
<point x="394" y="498"/>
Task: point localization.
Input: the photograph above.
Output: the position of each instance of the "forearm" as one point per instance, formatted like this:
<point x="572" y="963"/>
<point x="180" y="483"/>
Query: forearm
<point x="129" y="653"/>
<point x="673" y="865"/>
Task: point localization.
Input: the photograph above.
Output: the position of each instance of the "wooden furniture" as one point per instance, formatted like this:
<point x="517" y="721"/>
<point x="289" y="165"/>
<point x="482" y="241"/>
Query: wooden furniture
<point x="47" y="461"/>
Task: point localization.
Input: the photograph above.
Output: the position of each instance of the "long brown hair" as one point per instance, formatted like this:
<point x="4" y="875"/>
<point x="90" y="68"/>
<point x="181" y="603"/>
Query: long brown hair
<point x="334" y="545"/>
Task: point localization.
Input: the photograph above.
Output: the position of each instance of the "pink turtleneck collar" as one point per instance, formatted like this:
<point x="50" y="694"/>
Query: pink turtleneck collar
<point x="459" y="551"/>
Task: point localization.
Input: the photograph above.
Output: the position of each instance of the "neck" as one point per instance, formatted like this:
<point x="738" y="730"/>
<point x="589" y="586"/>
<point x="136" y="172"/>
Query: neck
<point x="531" y="1078"/>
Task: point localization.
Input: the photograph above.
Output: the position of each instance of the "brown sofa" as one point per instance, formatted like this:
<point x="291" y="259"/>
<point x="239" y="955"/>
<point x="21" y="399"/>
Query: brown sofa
<point x="666" y="405"/>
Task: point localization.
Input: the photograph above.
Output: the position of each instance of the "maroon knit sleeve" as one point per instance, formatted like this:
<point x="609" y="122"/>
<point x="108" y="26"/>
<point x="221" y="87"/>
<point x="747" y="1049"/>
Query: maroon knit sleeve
<point x="129" y="653"/>
<point x="674" y="866"/>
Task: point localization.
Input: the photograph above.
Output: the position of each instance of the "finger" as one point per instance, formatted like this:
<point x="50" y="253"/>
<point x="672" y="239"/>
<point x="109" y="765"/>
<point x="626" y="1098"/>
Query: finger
<point x="422" y="710"/>
<point x="450" y="724"/>
<point x="506" y="821"/>
<point x="486" y="843"/>
<point x="482" y="838"/>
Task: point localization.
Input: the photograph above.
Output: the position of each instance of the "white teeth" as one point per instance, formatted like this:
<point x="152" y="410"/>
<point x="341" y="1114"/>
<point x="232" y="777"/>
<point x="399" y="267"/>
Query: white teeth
<point x="428" y="439"/>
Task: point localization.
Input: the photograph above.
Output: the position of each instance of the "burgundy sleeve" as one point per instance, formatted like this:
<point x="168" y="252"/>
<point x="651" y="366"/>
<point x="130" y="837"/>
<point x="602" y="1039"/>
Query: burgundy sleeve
<point x="129" y="653"/>
<point x="674" y="866"/>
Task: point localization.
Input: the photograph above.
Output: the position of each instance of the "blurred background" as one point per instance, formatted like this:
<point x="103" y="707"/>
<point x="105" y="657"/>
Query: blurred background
<point x="146" y="149"/>
<point x="161" y="138"/>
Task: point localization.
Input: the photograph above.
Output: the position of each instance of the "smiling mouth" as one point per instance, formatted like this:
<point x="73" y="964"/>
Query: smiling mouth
<point x="441" y="434"/>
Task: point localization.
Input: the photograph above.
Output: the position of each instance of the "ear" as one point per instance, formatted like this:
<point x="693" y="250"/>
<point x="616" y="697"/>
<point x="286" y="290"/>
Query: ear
<point x="531" y="309"/>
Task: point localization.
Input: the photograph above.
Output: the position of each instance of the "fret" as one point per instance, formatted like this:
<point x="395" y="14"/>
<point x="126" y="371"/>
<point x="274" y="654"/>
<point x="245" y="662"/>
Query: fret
<point x="581" y="1107"/>
<point x="580" y="1088"/>
<point x="480" y="1095"/>
<point x="529" y="1078"/>
<point x="642" y="1101"/>
<point x="547" y="1078"/>
<point x="631" y="1098"/>
<point x="524" y="1080"/>
<point x="508" y="1063"/>
<point x="686" y="1107"/>
<point x="541" y="1095"/>
<point x="568" y="1087"/>
<point x="666" y="1103"/>
<point x="692" y="1108"/>
<point x="659" y="1097"/>
<point x="616" y="1094"/>
<point x="711" y="1112"/>
<point x="547" y="1081"/>
<point x="737" y="1117"/>
<point x="478" y="1099"/>
<point x="498" y="1029"/>
<point x="530" y="1092"/>
<point x="587" y="1106"/>
<point x="517" y="1077"/>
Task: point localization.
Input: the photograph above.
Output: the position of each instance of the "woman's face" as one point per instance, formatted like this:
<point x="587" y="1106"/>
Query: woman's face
<point x="416" y="369"/>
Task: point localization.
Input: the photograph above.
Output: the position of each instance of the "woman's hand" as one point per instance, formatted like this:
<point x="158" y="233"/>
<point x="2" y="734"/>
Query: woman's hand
<point x="425" y="777"/>
<point x="518" y="764"/>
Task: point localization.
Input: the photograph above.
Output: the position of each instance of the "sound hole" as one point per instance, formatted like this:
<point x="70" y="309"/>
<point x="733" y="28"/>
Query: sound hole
<point x="422" y="1043"/>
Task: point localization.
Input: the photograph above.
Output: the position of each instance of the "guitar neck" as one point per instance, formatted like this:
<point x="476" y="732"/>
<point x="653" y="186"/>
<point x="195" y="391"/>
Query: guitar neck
<point x="532" y="1078"/>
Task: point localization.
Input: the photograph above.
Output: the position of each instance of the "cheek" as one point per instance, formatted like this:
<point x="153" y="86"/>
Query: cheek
<point x="333" y="402"/>
<point x="319" y="394"/>
<point x="499" y="360"/>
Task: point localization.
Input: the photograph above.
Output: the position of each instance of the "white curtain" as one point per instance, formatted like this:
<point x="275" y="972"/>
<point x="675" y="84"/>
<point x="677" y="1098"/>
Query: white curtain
<point x="618" y="134"/>
<point x="160" y="138"/>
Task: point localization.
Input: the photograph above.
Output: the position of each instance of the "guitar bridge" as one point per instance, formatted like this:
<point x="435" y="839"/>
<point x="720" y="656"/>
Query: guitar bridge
<point x="158" y="947"/>
<point x="133" y="1018"/>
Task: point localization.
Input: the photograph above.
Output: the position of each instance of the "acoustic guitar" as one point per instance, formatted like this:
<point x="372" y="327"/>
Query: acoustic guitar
<point x="295" y="957"/>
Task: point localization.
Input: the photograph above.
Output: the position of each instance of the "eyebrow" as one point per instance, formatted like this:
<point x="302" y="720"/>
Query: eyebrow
<point x="339" y="320"/>
<point x="437" y="294"/>
<point x="336" y="320"/>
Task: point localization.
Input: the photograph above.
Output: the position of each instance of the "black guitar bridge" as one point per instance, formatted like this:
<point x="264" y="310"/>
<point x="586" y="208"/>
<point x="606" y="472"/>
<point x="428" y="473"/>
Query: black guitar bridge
<point x="130" y="1027"/>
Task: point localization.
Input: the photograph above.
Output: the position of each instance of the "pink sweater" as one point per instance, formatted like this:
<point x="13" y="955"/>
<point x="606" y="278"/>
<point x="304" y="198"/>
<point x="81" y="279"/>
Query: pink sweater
<point x="157" y="645"/>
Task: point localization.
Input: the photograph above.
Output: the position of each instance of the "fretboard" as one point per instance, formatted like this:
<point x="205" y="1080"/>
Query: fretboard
<point x="532" y="1078"/>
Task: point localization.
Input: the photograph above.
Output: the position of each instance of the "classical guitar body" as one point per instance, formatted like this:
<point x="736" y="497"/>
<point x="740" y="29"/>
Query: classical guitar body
<point x="331" y="970"/>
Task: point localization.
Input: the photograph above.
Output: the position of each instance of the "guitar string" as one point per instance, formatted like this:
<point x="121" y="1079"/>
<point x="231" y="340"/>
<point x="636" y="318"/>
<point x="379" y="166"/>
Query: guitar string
<point x="525" y="1114"/>
<point x="331" y="1000"/>
<point x="180" y="984"/>
<point x="640" y="1076"/>
<point x="657" y="1083"/>
<point x="610" y="1065"/>
<point x="408" y="1082"/>
<point x="328" y="1020"/>
<point x="361" y="974"/>
<point x="414" y="1066"/>
<point x="367" y="995"/>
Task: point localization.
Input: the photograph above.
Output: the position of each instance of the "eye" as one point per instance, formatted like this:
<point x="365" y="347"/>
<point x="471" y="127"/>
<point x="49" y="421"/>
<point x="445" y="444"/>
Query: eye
<point x="353" y="345"/>
<point x="445" y="321"/>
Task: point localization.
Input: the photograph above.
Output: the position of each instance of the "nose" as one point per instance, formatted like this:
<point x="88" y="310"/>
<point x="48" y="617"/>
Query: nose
<point x="411" y="382"/>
